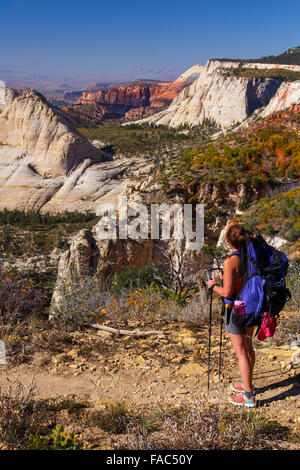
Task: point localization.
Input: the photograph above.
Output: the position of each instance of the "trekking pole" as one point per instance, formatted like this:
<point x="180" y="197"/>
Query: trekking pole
<point x="221" y="335"/>
<point x="209" y="338"/>
<point x="221" y="338"/>
<point x="209" y="295"/>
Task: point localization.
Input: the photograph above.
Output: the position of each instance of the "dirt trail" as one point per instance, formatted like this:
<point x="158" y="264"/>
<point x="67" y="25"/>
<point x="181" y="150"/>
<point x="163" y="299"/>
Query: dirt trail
<point x="169" y="368"/>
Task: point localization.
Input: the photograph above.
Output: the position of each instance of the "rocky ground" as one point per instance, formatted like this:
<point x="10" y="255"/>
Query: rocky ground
<point x="91" y="369"/>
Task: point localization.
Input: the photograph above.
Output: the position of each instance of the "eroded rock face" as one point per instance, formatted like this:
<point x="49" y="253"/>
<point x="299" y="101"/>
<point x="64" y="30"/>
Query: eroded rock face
<point x="46" y="165"/>
<point x="89" y="255"/>
<point x="32" y="129"/>
<point x="226" y="99"/>
<point x="133" y="101"/>
<point x="123" y="94"/>
<point x="287" y="95"/>
<point x="135" y="95"/>
<point x="191" y="74"/>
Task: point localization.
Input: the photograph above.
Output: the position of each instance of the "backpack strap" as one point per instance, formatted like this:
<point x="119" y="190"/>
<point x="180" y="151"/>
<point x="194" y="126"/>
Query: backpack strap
<point x="232" y="254"/>
<point x="228" y="302"/>
<point x="238" y="253"/>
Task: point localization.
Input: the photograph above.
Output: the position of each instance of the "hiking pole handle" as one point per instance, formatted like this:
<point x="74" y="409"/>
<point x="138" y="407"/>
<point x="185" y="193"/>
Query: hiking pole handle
<point x="209" y="273"/>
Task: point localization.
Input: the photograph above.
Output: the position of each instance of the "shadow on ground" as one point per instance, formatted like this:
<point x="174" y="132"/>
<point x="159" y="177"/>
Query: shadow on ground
<point x="293" y="382"/>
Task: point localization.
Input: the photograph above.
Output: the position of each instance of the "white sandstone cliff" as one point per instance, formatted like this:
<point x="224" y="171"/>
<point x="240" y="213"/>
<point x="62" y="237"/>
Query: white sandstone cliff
<point x="46" y="165"/>
<point x="224" y="98"/>
<point x="31" y="128"/>
<point x="191" y="74"/>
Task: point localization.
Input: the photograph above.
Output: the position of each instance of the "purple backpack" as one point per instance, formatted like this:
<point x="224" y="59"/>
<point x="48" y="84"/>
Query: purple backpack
<point x="264" y="288"/>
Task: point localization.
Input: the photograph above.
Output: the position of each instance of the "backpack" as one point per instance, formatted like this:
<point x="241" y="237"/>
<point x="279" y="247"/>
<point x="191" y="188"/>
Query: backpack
<point x="264" y="288"/>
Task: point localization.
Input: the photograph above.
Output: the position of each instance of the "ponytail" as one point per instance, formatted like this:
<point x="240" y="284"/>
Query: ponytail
<point x="236" y="235"/>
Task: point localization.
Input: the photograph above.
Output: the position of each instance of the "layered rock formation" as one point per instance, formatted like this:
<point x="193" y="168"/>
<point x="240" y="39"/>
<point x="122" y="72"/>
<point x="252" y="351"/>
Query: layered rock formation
<point x="225" y="98"/>
<point x="142" y="99"/>
<point x="45" y="164"/>
<point x="130" y="95"/>
<point x="135" y="94"/>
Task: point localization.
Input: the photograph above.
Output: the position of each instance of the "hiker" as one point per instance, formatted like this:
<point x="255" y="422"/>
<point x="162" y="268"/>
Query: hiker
<point x="241" y="337"/>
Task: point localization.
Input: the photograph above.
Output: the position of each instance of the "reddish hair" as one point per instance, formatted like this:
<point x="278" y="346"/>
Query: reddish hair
<point x="236" y="235"/>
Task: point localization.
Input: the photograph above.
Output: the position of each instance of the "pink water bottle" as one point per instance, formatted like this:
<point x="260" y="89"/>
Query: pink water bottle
<point x="239" y="307"/>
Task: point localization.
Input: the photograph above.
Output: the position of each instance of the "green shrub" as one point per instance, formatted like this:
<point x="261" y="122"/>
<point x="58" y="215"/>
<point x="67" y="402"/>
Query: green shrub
<point x="133" y="277"/>
<point x="58" y="441"/>
<point x="293" y="283"/>
<point x="113" y="419"/>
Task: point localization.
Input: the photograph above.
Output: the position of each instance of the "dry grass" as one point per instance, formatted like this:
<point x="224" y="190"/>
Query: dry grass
<point x="20" y="416"/>
<point x="207" y="428"/>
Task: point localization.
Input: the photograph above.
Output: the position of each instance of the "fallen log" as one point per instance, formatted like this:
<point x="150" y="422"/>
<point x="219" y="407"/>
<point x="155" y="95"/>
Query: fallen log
<point x="117" y="331"/>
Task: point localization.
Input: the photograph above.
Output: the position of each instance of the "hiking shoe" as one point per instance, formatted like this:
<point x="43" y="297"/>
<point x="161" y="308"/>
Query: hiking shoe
<point x="239" y="387"/>
<point x="241" y="400"/>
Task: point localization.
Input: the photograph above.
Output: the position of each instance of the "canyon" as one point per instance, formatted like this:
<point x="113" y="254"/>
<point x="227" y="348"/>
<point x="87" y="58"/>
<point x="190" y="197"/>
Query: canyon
<point x="47" y="165"/>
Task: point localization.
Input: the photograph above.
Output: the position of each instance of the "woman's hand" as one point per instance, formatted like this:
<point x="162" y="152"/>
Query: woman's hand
<point x="211" y="282"/>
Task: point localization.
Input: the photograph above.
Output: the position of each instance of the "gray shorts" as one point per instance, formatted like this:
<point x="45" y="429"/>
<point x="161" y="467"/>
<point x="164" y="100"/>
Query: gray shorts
<point x="231" y="327"/>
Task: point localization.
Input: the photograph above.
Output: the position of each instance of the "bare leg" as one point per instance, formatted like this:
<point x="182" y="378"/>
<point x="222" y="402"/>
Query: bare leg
<point x="240" y="346"/>
<point x="251" y="352"/>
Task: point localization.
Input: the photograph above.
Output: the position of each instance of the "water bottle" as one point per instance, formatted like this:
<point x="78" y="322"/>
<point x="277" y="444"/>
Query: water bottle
<point x="238" y="310"/>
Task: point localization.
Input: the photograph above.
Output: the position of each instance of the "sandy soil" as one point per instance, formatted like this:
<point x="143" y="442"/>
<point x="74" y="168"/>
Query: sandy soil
<point x="170" y="368"/>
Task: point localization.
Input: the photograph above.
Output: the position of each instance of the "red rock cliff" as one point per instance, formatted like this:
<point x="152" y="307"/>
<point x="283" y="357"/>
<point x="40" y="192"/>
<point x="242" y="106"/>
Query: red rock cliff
<point x="135" y="95"/>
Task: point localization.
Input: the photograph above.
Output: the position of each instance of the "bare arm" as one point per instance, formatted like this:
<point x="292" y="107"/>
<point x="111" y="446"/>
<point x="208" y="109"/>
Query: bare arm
<point x="228" y="278"/>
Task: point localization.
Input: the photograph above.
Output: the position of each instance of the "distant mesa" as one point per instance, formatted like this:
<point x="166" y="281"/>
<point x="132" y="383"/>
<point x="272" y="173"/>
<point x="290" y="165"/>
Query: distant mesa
<point x="130" y="101"/>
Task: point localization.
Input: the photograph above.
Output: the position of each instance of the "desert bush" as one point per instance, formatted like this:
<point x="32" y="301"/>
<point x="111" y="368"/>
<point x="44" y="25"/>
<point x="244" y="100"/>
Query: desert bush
<point x="89" y="302"/>
<point x="206" y="428"/>
<point x="293" y="283"/>
<point x="195" y="310"/>
<point x="25" y="420"/>
<point x="79" y="301"/>
<point x="19" y="298"/>
<point x="145" y="293"/>
<point x="179" y="273"/>
<point x="141" y="305"/>
<point x="114" y="418"/>
<point x="58" y="441"/>
<point x="133" y="277"/>
<point x="20" y="416"/>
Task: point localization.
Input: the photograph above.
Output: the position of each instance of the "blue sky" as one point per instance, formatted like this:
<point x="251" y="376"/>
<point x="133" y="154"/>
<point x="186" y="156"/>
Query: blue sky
<point x="114" y="38"/>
